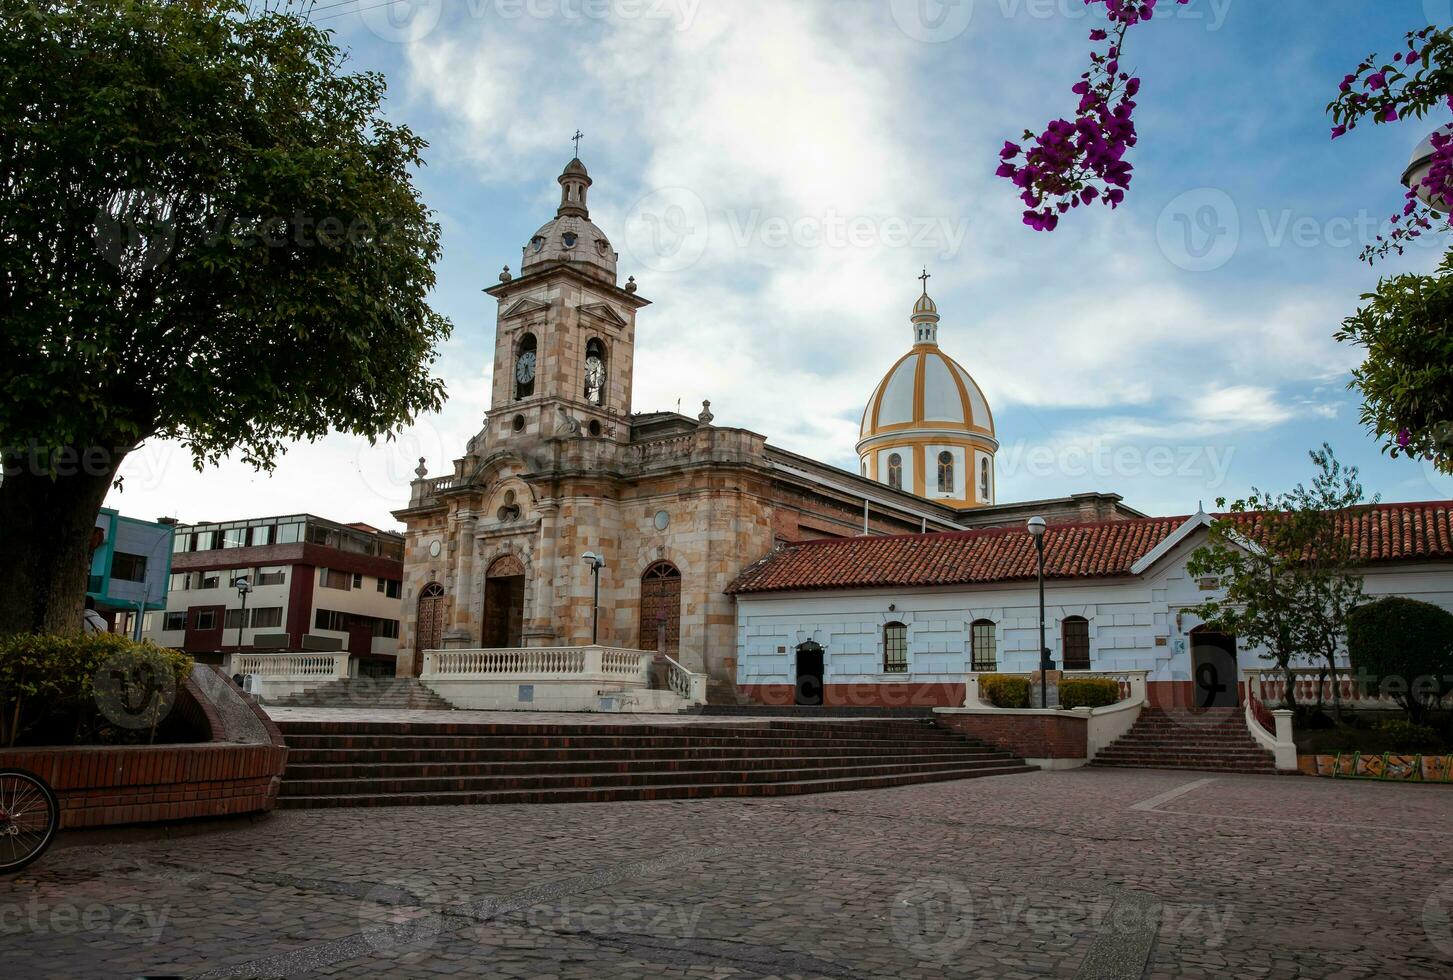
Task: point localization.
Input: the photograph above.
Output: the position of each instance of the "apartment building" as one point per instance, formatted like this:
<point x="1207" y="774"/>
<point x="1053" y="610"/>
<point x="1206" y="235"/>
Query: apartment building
<point x="130" y="566"/>
<point x="314" y="584"/>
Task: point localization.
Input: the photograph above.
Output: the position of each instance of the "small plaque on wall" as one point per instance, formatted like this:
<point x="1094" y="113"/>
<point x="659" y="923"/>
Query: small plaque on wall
<point x="527" y="694"/>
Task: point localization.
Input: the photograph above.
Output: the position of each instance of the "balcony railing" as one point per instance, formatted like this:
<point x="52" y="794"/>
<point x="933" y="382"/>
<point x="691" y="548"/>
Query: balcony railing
<point x="539" y="664"/>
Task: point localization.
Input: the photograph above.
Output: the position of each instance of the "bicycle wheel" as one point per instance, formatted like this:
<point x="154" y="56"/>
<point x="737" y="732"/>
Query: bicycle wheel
<point x="29" y="818"/>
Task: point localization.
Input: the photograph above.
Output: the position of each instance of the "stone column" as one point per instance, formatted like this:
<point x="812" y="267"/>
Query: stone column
<point x="539" y="628"/>
<point x="463" y="631"/>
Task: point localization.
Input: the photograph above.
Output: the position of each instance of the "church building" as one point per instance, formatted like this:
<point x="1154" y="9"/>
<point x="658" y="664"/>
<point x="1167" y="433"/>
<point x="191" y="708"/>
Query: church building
<point x="675" y="507"/>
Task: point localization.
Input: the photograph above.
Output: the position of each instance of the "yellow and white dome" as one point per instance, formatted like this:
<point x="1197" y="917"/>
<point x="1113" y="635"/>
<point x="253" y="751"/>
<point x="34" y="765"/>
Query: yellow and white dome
<point x="928" y="429"/>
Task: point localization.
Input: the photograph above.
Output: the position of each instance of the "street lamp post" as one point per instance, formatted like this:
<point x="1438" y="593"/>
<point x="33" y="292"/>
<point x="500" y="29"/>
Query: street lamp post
<point x="243" y="587"/>
<point x="596" y="563"/>
<point x="1036" y="531"/>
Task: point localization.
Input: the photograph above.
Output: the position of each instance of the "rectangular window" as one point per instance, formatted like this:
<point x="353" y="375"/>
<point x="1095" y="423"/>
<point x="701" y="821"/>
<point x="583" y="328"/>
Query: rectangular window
<point x="895" y="649"/>
<point x="267" y="617"/>
<point x="148" y="623"/>
<point x="177" y="582"/>
<point x="357" y="580"/>
<point x="128" y="568"/>
<point x="982" y="637"/>
<point x="181" y="542"/>
<point x="1076" y="634"/>
<point x="206" y="619"/>
<point x="274" y="575"/>
<point x="288" y="534"/>
<point x="331" y="578"/>
<point x="209" y="580"/>
<point x="233" y="619"/>
<point x="387" y="628"/>
<point x="262" y="534"/>
<point x="328" y="619"/>
<point x="234" y="537"/>
<point x="174" y="621"/>
<point x="202" y="540"/>
<point x="394" y="589"/>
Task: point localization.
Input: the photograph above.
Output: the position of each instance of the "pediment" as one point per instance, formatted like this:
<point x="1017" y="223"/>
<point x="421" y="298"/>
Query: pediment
<point x="523" y="307"/>
<point x="602" y="311"/>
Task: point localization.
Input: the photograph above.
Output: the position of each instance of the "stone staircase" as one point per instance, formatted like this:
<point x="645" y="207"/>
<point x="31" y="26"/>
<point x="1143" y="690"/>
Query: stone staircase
<point x="337" y="764"/>
<point x="367" y="692"/>
<point x="1213" y="739"/>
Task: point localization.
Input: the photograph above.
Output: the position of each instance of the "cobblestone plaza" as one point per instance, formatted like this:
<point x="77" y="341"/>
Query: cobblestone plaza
<point x="1087" y="873"/>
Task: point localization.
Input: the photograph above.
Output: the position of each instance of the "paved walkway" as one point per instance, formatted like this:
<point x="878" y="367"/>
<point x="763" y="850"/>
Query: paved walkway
<point x="1090" y="873"/>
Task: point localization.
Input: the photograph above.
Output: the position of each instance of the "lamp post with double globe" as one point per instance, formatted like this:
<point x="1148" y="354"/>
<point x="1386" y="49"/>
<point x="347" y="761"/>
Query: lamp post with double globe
<point x="1036" y="531"/>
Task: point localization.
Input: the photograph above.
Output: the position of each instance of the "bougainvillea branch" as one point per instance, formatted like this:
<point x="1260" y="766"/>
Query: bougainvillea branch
<point x="1416" y="81"/>
<point x="1081" y="161"/>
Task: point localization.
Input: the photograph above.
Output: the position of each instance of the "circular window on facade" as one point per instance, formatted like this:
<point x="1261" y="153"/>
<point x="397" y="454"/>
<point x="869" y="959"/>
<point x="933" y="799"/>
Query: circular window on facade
<point x="434" y="549"/>
<point x="663" y="520"/>
<point x="594" y="428"/>
<point x="519" y="423"/>
<point x="569" y="239"/>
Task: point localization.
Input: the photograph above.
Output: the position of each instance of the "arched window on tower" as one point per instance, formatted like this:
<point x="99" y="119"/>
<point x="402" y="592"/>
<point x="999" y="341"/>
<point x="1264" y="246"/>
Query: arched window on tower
<point x="945" y="472"/>
<point x="895" y="471"/>
<point x="525" y="365"/>
<point x="984" y="479"/>
<point x="594" y="371"/>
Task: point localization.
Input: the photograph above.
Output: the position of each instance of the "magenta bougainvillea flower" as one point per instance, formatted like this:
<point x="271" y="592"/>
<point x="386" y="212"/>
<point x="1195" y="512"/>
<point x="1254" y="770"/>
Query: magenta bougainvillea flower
<point x="1075" y="162"/>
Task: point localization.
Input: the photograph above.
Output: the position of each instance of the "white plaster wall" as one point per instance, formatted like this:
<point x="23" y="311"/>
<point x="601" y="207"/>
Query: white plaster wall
<point x="1136" y="623"/>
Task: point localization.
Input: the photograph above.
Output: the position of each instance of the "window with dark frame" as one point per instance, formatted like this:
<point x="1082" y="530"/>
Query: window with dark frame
<point x="1075" y="634"/>
<point x="895" y="648"/>
<point x="945" y="472"/>
<point x="267" y="617"/>
<point x="128" y="568"/>
<point x="206" y="619"/>
<point x="525" y="367"/>
<point x="895" y="471"/>
<point x="981" y="638"/>
<point x="175" y="621"/>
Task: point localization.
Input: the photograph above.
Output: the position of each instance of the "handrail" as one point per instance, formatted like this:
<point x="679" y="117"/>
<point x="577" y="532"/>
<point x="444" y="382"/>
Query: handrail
<point x="684" y="683"/>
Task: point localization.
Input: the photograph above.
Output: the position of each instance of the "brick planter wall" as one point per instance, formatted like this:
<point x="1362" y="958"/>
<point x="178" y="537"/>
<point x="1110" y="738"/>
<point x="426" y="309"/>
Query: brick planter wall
<point x="105" y="785"/>
<point x="1029" y="736"/>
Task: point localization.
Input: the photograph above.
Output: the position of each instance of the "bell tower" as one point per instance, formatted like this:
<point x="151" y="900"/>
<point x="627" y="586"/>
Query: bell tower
<point x="564" y="331"/>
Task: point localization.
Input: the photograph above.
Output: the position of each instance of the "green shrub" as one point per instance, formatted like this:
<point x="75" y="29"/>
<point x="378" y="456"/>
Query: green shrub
<point x="85" y="688"/>
<point x="1403" y="648"/>
<point x="1088" y="692"/>
<point x="1004" y="690"/>
<point x="1408" y="736"/>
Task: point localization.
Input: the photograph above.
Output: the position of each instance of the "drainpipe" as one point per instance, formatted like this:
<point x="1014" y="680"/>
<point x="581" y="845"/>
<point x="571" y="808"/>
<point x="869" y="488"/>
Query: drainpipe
<point x="865" y="517"/>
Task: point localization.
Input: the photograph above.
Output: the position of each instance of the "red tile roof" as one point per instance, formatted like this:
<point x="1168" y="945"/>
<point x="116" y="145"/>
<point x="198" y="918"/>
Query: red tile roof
<point x="1383" y="532"/>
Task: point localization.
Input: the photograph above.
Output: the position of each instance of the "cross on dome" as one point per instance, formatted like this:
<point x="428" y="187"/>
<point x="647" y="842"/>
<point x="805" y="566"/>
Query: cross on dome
<point x="925" y="315"/>
<point x="576" y="139"/>
<point x="925" y="277"/>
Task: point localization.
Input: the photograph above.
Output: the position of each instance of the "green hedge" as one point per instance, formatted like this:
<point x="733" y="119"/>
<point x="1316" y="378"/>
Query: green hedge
<point x="1004" y="690"/>
<point x="1088" y="692"/>
<point x="1405" y="648"/>
<point x="88" y="689"/>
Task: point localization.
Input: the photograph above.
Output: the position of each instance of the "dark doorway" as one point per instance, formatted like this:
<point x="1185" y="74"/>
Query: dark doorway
<point x="504" y="603"/>
<point x="809" y="674"/>
<point x="1215" y="677"/>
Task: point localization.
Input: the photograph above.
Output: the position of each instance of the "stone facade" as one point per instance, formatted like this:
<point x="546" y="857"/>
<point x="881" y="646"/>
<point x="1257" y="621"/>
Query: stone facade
<point x="675" y="506"/>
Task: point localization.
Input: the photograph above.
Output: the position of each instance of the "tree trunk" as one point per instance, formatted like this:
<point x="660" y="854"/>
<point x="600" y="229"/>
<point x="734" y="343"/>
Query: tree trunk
<point x="45" y="537"/>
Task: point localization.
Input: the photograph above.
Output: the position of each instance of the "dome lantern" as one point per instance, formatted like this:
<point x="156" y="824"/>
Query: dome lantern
<point x="571" y="236"/>
<point x="925" y="316"/>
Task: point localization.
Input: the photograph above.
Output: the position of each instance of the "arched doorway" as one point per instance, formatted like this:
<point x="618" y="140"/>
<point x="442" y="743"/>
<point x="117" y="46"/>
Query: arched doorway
<point x="1214" y="672"/>
<point x="504" y="603"/>
<point x="429" y="623"/>
<point x="661" y="609"/>
<point x="809" y="674"/>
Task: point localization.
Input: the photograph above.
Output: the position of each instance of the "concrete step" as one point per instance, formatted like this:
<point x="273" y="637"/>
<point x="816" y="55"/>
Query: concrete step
<point x="416" y="785"/>
<point x="425" y="763"/>
<point x="606" y="794"/>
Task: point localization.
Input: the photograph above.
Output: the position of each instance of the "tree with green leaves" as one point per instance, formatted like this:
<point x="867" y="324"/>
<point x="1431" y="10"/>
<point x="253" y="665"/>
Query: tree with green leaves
<point x="208" y="232"/>
<point x="1287" y="568"/>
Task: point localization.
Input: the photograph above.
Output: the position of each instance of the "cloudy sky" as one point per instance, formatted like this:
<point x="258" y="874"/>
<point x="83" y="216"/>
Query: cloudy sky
<point x="775" y="174"/>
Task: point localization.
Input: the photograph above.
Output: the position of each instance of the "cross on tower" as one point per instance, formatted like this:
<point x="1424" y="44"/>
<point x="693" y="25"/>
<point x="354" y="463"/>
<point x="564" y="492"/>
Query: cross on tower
<point x="576" y="138"/>
<point x="925" y="277"/>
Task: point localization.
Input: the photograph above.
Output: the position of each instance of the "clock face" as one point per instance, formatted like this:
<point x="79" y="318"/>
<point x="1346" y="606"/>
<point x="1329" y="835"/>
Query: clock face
<point x="594" y="378"/>
<point x="525" y="368"/>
